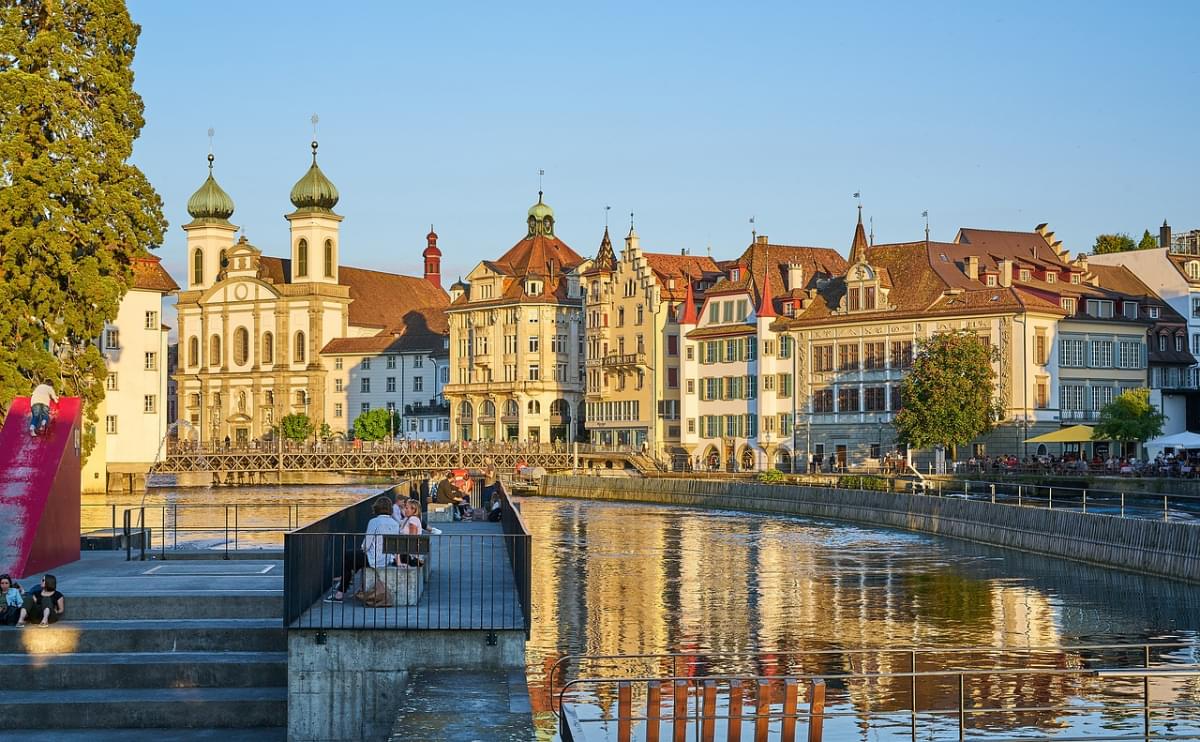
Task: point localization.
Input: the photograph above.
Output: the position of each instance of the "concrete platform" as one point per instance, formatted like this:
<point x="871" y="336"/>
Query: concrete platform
<point x="471" y="586"/>
<point x="106" y="573"/>
<point x="467" y="705"/>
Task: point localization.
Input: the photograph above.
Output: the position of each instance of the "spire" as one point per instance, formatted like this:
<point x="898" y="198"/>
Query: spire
<point x="689" y="303"/>
<point x="606" y="259"/>
<point x="858" y="248"/>
<point x="766" y="307"/>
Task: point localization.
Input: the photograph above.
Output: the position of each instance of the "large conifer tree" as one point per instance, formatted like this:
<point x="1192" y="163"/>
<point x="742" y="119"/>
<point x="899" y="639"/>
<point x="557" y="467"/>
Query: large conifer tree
<point x="73" y="211"/>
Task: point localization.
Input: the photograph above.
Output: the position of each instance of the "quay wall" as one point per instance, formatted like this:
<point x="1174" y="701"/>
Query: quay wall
<point x="1167" y="549"/>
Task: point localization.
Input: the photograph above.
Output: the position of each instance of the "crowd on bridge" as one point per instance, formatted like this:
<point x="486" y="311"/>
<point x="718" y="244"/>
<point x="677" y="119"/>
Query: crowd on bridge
<point x="354" y="445"/>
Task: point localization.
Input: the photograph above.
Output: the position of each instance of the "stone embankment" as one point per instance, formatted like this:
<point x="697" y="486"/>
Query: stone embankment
<point x="1168" y="549"/>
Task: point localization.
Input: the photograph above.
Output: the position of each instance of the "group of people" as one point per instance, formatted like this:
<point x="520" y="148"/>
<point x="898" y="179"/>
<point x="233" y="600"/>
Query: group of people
<point x="45" y="605"/>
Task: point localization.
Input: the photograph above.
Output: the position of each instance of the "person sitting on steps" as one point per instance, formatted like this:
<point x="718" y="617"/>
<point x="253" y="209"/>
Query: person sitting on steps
<point x="11" y="601"/>
<point x="39" y="407"/>
<point x="45" y="604"/>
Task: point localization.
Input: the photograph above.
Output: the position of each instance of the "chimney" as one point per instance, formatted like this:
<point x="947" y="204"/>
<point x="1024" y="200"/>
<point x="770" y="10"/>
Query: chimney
<point x="1081" y="262"/>
<point x="1164" y="235"/>
<point x="795" y="276"/>
<point x="760" y="239"/>
<point x="1006" y="267"/>
<point x="972" y="267"/>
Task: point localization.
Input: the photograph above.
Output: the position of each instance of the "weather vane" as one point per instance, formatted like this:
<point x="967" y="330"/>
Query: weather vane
<point x="606" y="210"/>
<point x="753" y="230"/>
<point x="541" y="174"/>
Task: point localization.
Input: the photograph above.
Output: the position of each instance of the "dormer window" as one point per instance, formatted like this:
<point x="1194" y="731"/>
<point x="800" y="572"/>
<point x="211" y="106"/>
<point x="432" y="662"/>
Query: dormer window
<point x="1179" y="343"/>
<point x="1162" y="343"/>
<point x="533" y="288"/>
<point x="1051" y="277"/>
<point x="1192" y="268"/>
<point x="789" y="308"/>
<point x="990" y="280"/>
<point x="1024" y="274"/>
<point x="1076" y="278"/>
<point x="1129" y="309"/>
<point x="1153" y="312"/>
<point x="735" y="274"/>
<point x="1068" y="305"/>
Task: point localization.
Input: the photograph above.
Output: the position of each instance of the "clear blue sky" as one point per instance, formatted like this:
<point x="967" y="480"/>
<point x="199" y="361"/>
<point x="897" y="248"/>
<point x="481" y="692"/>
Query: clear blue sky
<point x="696" y="117"/>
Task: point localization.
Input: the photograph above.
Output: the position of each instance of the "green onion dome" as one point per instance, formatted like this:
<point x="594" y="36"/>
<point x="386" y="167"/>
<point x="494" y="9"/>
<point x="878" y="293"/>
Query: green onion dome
<point x="210" y="202"/>
<point x="314" y="191"/>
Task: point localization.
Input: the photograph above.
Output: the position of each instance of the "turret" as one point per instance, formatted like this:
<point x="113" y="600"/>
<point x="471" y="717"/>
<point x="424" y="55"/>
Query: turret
<point x="314" y="227"/>
<point x="209" y="233"/>
<point x="433" y="259"/>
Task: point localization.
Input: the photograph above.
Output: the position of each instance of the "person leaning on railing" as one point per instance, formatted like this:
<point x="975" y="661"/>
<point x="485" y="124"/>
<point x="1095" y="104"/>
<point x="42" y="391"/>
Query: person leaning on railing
<point x="370" y="554"/>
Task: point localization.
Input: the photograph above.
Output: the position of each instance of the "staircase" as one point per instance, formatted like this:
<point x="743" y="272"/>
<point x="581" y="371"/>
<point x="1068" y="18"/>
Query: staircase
<point x="156" y="666"/>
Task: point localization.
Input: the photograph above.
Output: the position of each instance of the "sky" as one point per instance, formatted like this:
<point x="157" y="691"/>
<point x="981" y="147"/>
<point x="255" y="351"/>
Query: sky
<point x="693" y="116"/>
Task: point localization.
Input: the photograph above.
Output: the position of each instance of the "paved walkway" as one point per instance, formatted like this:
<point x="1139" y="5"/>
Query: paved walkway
<point x="466" y="706"/>
<point x="106" y="573"/>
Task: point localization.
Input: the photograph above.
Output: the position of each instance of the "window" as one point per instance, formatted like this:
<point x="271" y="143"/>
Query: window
<point x="110" y="424"/>
<point x="875" y="399"/>
<point x="418" y="361"/>
<point x="110" y="383"/>
<point x="1195" y="308"/>
<point x="241" y="346"/>
<point x="727" y="311"/>
<point x="151" y="361"/>
<point x="364" y="385"/>
<point x="337" y="363"/>
<point x="1068" y="305"/>
<point x="1193" y="270"/>
<point x="714" y="313"/>
<point x="902" y="354"/>
<point x="197" y="267"/>
<point x="621" y="317"/>
<point x="268" y="348"/>
<point x="672" y="378"/>
<point x="1129" y="309"/>
<point x="1076" y="278"/>
<point x="1178" y="343"/>
<point x="299" y="352"/>
<point x="640" y="314"/>
<point x="784" y="385"/>
<point x="691" y="425"/>
<point x="874" y="355"/>
<point x="302" y="259"/>
<point x="390" y="362"/>
<point x="329" y="258"/>
<point x="390" y="384"/>
<point x="1162" y="343"/>
<point x="1102" y="354"/>
<point x="364" y="408"/>
<point x="672" y="345"/>
<point x="1051" y="277"/>
<point x="1042" y="395"/>
<point x="848" y="399"/>
<point x="194" y="351"/>
<point x="894" y="397"/>
<point x="534" y="343"/>
<point x="785" y="346"/>
<point x="338" y="385"/>
<point x="1024" y="274"/>
<point x="152" y="320"/>
<point x="1153" y="312"/>
<point x="848" y="357"/>
<point x="337" y="409"/>
<point x="1070" y="397"/>
<point x="418" y="383"/>
<point x="822" y="401"/>
<point x="112" y="339"/>
<point x="691" y="386"/>
<point x="822" y="358"/>
<point x="1101" y="308"/>
<point x="1130" y="354"/>
<point x="743" y="309"/>
<point x="1071" y="353"/>
<point x="1101" y="396"/>
<point x="991" y="280"/>
<point x="366" y="364"/>
<point x="768" y="348"/>
<point x="691" y="353"/>
<point x="149" y="403"/>
<point x="768" y="383"/>
<point x="534" y="407"/>
<point x="534" y="372"/>
<point x="1039" y="348"/>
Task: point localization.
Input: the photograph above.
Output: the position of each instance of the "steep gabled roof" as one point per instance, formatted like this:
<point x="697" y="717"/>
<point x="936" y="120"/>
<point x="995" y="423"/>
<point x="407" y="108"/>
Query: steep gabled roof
<point x="149" y="275"/>
<point x="668" y="267"/>
<point x="761" y="257"/>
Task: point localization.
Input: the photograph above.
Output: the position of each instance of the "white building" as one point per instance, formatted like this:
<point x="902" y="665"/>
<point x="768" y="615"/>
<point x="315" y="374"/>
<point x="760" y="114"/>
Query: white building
<point x="133" y="415"/>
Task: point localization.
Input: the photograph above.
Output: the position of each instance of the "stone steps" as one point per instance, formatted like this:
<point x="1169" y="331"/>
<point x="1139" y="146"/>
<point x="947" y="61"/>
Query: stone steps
<point x="153" y="635"/>
<point x="183" y="606"/>
<point x="108" y="708"/>
<point x="146" y="670"/>
<point x="149" y="734"/>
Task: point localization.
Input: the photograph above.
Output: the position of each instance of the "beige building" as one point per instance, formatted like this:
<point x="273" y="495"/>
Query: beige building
<point x="253" y="328"/>
<point x="516" y="342"/>
<point x="633" y="308"/>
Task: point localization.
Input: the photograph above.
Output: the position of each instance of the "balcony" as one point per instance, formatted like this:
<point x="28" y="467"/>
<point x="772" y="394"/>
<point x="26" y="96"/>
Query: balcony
<point x="620" y="360"/>
<point x="441" y="409"/>
<point x="1079" y="416"/>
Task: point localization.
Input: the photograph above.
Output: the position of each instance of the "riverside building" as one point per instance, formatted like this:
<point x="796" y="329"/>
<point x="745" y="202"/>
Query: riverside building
<point x="517" y="342"/>
<point x="263" y="337"/>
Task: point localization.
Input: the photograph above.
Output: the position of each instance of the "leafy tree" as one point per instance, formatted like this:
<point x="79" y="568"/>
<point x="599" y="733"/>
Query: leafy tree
<point x="296" y="427"/>
<point x="326" y="432"/>
<point x="948" y="397"/>
<point x="1107" y="243"/>
<point x="73" y="212"/>
<point x="377" y="424"/>
<point x="1148" y="241"/>
<point x="1130" y="418"/>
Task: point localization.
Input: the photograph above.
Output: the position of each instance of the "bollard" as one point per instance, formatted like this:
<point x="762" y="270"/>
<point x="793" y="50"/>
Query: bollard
<point x="993" y="494"/>
<point x="1085" y="501"/>
<point x="1166" y="512"/>
<point x="1122" y="504"/>
<point x="1018" y="494"/>
<point x="1051" y="498"/>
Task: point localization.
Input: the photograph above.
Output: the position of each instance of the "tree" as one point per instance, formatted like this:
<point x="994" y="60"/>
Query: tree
<point x="1130" y="418"/>
<point x="1107" y="243"/>
<point x="73" y="212"/>
<point x="1148" y="241"/>
<point x="377" y="424"/>
<point x="326" y="432"/>
<point x="296" y="427"/>
<point x="948" y="399"/>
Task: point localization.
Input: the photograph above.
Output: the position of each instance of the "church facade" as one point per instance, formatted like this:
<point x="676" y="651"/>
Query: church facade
<point x="263" y="337"/>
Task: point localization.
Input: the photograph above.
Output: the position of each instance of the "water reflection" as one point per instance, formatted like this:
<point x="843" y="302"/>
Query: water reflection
<point x="613" y="578"/>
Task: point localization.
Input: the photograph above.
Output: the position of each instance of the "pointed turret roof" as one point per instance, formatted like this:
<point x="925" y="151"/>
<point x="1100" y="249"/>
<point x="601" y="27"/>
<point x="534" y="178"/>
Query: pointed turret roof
<point x="606" y="259"/>
<point x="689" y="304"/>
<point x="766" y="307"/>
<point x="858" y="248"/>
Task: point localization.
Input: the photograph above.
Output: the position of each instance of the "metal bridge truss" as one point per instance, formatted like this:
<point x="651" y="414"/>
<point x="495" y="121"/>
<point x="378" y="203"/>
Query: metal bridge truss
<point x="250" y="462"/>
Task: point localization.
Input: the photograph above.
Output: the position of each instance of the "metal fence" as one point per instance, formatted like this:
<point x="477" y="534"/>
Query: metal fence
<point x="1093" y="692"/>
<point x="151" y="529"/>
<point x="473" y="576"/>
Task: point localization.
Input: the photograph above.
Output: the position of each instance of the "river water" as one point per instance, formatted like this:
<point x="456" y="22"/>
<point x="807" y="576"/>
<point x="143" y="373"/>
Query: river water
<point x="614" y="578"/>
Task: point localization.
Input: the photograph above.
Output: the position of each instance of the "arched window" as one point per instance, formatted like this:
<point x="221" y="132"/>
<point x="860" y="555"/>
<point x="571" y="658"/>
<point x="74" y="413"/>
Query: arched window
<point x="302" y="259"/>
<point x="464" y="410"/>
<point x="298" y="356"/>
<point x="195" y="400"/>
<point x="301" y="397"/>
<point x="487" y="409"/>
<point x="224" y="259"/>
<point x="214" y="350"/>
<point x="560" y="408"/>
<point x="511" y="409"/>
<point x="197" y="267"/>
<point x="534" y="407"/>
<point x="268" y="353"/>
<point x="194" y="351"/>
<point x="241" y="346"/>
<point x="329" y="258"/>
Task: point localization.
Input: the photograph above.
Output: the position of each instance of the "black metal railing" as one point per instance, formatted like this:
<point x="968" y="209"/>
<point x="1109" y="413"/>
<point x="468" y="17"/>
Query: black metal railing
<point x="472" y="576"/>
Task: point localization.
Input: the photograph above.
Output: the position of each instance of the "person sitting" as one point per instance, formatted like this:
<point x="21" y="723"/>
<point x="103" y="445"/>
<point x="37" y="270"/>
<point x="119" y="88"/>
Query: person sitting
<point x="495" y="509"/>
<point x="370" y="553"/>
<point x="11" y="601"/>
<point x="46" y="604"/>
<point x="410" y="526"/>
<point x="39" y="407"/>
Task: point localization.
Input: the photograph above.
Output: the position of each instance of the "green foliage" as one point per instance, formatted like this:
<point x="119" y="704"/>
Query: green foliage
<point x="326" y="432"/>
<point x="772" y="476"/>
<point x="377" y="424"/>
<point x="865" y="482"/>
<point x="1129" y="418"/>
<point x="1107" y="243"/>
<point x="948" y="397"/>
<point x="73" y="212"/>
<point x="296" y="427"/>
<point x="1148" y="241"/>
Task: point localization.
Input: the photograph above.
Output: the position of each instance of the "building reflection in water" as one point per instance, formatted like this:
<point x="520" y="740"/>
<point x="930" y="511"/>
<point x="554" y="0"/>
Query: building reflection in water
<point x="613" y="578"/>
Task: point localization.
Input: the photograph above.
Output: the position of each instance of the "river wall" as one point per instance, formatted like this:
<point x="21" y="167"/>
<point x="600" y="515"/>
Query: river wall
<point x="1163" y="548"/>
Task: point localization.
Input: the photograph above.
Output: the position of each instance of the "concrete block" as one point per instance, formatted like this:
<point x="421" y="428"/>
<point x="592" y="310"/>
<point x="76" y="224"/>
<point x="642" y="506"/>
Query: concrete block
<point x="439" y="513"/>
<point x="405" y="584"/>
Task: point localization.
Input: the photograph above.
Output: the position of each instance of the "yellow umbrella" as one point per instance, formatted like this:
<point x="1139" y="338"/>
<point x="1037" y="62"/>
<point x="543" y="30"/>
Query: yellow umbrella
<point x="1073" y="434"/>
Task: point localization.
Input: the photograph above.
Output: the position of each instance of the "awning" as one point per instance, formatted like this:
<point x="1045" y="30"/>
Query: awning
<point x="1073" y="434"/>
<point x="1177" y="440"/>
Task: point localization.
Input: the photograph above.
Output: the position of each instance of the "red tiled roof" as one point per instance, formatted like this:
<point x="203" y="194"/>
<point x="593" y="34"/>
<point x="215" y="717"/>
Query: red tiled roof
<point x="761" y="257"/>
<point x="667" y="266"/>
<point x="534" y="256"/>
<point x="149" y="275"/>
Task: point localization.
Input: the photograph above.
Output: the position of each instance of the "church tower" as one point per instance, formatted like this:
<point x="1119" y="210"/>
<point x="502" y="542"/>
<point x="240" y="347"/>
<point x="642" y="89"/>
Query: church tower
<point x="209" y="234"/>
<point x="433" y="259"/>
<point x="314" y="227"/>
